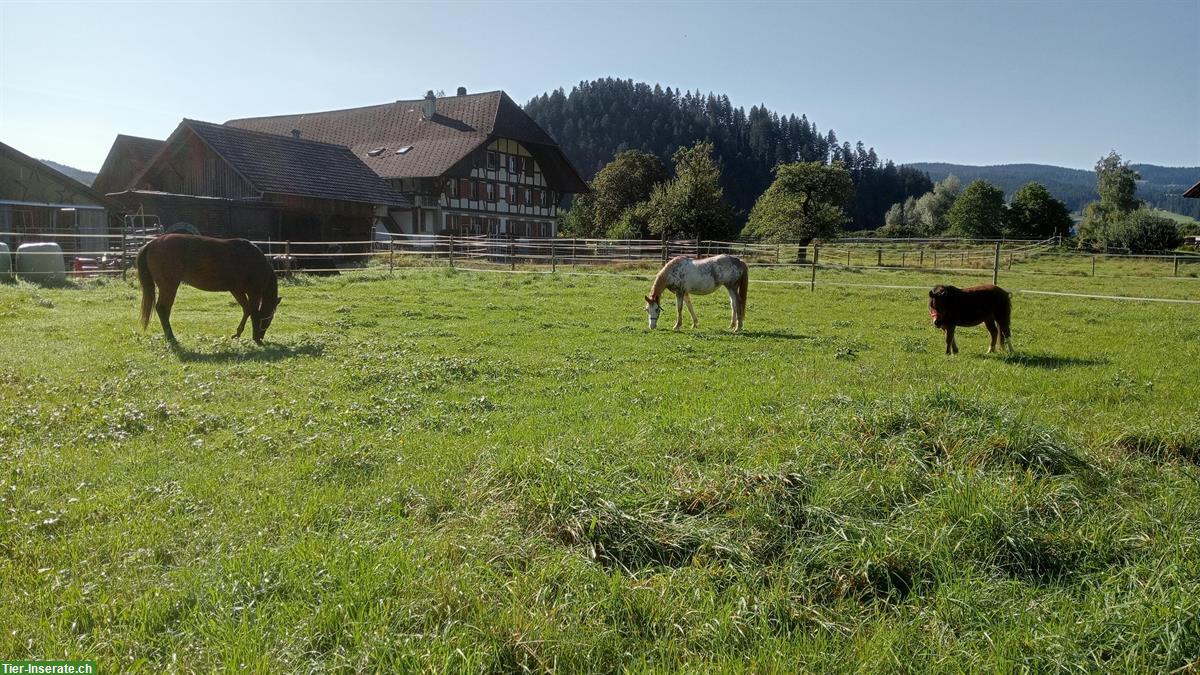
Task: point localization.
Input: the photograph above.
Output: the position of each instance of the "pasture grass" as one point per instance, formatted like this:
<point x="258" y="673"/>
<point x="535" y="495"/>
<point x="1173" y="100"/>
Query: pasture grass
<point x="486" y="472"/>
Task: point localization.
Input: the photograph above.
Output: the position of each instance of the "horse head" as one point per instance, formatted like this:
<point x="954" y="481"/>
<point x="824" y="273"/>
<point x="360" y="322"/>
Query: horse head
<point x="265" y="315"/>
<point x="939" y="304"/>
<point x="653" y="309"/>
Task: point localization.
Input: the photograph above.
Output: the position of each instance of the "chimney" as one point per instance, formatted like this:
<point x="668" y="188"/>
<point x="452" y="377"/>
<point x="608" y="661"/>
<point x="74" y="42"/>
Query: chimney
<point x="295" y="133"/>
<point x="462" y="91"/>
<point x="429" y="105"/>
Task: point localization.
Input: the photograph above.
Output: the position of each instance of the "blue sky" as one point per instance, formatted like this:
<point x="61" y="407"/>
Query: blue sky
<point x="971" y="82"/>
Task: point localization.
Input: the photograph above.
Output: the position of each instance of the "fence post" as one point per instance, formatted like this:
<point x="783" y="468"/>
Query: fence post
<point x="512" y="252"/>
<point x="847" y="256"/>
<point x="1093" y="265"/>
<point x="935" y="260"/>
<point x="1010" y="256"/>
<point x="1176" y="266"/>
<point x="287" y="258"/>
<point x="996" y="266"/>
<point x="392" y="255"/>
<point x="902" y="256"/>
<point x="125" y="251"/>
<point x="921" y="258"/>
<point x="879" y="257"/>
<point x="664" y="247"/>
<point x="697" y="247"/>
<point x="812" y="284"/>
<point x="553" y="257"/>
<point x="451" y="251"/>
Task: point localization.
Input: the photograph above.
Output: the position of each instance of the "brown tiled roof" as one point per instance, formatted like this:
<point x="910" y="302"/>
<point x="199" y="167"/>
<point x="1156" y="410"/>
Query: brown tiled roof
<point x="126" y="159"/>
<point x="290" y="166"/>
<point x="462" y="124"/>
<point x="1193" y="192"/>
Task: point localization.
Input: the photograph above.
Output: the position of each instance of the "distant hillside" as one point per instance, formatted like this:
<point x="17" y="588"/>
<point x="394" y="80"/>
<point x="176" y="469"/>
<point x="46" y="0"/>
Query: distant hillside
<point x="85" y="177"/>
<point x="1160" y="186"/>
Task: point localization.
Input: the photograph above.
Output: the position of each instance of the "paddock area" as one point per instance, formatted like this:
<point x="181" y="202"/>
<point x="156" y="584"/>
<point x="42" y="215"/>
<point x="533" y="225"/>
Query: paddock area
<point x="428" y="468"/>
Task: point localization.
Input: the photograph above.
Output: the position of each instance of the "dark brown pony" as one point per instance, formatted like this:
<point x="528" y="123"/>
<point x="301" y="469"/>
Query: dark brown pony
<point x="990" y="305"/>
<point x="233" y="265"/>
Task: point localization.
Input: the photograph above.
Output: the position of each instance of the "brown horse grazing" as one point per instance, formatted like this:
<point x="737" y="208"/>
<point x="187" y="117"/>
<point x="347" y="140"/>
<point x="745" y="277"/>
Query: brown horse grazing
<point x="990" y="305"/>
<point x="233" y="265"/>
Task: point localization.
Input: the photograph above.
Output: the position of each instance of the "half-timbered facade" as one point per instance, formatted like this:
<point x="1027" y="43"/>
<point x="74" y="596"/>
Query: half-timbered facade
<point x="469" y="164"/>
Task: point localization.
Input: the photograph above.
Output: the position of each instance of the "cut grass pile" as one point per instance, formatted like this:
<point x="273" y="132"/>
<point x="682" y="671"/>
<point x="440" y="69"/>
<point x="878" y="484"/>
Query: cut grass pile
<point x="494" y="472"/>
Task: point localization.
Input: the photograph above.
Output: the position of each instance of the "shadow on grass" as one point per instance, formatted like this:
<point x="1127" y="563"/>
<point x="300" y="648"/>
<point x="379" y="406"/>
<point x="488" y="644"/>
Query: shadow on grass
<point x="776" y="335"/>
<point x="1050" y="361"/>
<point x="269" y="352"/>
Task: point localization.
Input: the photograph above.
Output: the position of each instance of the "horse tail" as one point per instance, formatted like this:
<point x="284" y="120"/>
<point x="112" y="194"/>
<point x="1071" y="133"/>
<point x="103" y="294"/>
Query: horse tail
<point x="147" y="282"/>
<point x="743" y="287"/>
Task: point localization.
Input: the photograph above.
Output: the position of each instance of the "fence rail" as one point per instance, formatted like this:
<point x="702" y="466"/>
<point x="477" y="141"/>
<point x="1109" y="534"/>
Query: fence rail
<point x="98" y="254"/>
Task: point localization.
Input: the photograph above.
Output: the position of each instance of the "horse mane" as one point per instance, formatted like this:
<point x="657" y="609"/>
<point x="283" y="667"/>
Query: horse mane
<point x="660" y="279"/>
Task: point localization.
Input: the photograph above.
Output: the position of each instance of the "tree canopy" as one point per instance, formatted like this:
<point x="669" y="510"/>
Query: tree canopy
<point x="620" y="186"/>
<point x="806" y="201"/>
<point x="978" y="212"/>
<point x="601" y="118"/>
<point x="1104" y="221"/>
<point x="1034" y="213"/>
<point x="692" y="204"/>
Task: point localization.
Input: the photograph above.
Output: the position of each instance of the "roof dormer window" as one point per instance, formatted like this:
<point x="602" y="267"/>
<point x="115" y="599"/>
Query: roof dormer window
<point x="403" y="150"/>
<point x="376" y="152"/>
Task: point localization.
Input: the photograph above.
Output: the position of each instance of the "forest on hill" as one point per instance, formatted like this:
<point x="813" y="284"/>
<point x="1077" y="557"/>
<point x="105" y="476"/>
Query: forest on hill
<point x="85" y="177"/>
<point x="598" y="119"/>
<point x="1160" y="186"/>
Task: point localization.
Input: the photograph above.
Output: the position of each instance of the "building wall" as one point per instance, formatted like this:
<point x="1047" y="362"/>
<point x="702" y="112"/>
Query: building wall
<point x="504" y="192"/>
<point x="37" y="200"/>
<point x="192" y="168"/>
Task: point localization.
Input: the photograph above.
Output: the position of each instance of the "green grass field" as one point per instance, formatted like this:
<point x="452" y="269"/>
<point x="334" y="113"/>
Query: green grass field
<point x="487" y="472"/>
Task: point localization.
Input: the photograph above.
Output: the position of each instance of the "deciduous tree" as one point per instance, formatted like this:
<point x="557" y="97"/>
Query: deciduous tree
<point x="978" y="212"/>
<point x="805" y="202"/>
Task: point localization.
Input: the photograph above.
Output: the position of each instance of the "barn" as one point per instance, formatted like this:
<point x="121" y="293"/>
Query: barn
<point x="37" y="200"/>
<point x="126" y="159"/>
<point x="468" y="164"/>
<point x="229" y="182"/>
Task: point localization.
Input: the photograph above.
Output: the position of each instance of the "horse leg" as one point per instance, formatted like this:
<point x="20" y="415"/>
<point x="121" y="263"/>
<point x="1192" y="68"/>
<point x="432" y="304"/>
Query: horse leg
<point x="1006" y="334"/>
<point x="244" y="301"/>
<point x="733" y="307"/>
<point x="950" y="346"/>
<point x="994" y="332"/>
<point x="166" y="298"/>
<point x="678" y="311"/>
<point x="687" y="300"/>
<point x="255" y="309"/>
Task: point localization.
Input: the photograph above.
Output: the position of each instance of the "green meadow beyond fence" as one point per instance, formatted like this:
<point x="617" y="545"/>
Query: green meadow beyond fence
<point x="1028" y="265"/>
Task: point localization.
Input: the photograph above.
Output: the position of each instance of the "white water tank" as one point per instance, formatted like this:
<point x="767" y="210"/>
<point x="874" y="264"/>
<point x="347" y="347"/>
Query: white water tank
<point x="5" y="262"/>
<point x="42" y="262"/>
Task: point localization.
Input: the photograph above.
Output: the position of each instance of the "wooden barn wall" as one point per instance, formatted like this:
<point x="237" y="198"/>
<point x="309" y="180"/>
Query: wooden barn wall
<point x="211" y="218"/>
<point x="192" y="168"/>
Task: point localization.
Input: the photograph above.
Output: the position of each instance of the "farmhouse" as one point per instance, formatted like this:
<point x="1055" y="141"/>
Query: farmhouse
<point x="1193" y="192"/>
<point x="469" y="164"/>
<point x="37" y="200"/>
<point x="230" y="182"/>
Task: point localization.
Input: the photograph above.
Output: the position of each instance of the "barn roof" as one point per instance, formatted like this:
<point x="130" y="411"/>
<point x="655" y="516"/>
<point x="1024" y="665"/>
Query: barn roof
<point x="291" y="166"/>
<point x="461" y="125"/>
<point x="68" y="192"/>
<point x="126" y="159"/>
<point x="1193" y="192"/>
